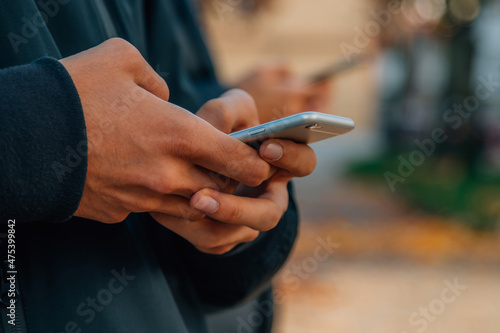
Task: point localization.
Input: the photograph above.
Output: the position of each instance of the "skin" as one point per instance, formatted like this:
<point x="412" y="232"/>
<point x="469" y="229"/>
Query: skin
<point x="148" y="155"/>
<point x="238" y="217"/>
<point x="279" y="93"/>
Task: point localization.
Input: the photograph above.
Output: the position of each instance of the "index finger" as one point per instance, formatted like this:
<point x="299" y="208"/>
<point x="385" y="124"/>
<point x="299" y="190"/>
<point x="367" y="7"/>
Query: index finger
<point x="230" y="157"/>
<point x="297" y="158"/>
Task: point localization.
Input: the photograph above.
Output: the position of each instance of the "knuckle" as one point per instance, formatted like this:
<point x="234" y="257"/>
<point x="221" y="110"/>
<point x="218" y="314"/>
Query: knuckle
<point x="119" y="45"/>
<point x="137" y="206"/>
<point x="166" y="181"/>
<point x="246" y="100"/>
<point x="216" y="251"/>
<point x="243" y="96"/>
<point x="125" y="51"/>
<point x="220" y="108"/>
<point x="223" y="249"/>
<point x="258" y="173"/>
<point x="210" y="241"/>
<point x="312" y="165"/>
<point x="116" y="217"/>
<point x="272" y="220"/>
<point x="149" y="205"/>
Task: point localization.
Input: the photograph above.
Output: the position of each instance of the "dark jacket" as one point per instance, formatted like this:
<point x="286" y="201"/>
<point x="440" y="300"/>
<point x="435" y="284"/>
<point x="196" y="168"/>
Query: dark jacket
<point x="77" y="275"/>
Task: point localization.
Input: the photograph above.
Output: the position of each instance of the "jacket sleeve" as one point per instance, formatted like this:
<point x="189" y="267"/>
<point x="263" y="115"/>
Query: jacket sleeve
<point x="222" y="281"/>
<point x="43" y="145"/>
<point x="243" y="273"/>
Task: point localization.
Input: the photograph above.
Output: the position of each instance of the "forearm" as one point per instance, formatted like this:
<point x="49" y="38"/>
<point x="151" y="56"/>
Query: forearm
<point x="42" y="143"/>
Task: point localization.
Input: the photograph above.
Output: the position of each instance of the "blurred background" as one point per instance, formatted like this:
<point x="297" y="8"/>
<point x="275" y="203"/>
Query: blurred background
<point x="401" y="219"/>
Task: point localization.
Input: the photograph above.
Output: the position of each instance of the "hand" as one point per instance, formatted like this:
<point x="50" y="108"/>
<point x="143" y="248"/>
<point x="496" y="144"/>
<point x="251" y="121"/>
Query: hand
<point x="146" y="154"/>
<point x="261" y="207"/>
<point x="232" y="111"/>
<point x="238" y="218"/>
<point x="278" y="93"/>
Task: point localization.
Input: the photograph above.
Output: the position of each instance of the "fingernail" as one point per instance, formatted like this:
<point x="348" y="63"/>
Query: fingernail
<point x="273" y="151"/>
<point x="207" y="205"/>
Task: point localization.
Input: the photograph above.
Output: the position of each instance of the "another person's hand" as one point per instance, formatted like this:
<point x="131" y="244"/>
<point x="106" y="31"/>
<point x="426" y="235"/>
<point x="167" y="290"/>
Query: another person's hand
<point x="238" y="217"/>
<point x="144" y="153"/>
<point x="278" y="93"/>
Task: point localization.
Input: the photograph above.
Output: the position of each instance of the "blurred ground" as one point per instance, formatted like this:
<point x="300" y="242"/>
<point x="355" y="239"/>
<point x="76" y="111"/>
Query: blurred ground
<point x="392" y="265"/>
<point x="390" y="262"/>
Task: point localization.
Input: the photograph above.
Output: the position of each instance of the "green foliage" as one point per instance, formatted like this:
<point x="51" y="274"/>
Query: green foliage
<point x="442" y="185"/>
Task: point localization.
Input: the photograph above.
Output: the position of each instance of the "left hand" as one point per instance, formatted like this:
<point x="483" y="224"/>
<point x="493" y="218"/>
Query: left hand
<point x="237" y="218"/>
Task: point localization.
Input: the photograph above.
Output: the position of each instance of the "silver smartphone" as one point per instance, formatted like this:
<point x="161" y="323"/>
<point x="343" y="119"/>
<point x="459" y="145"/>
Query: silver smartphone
<point x="306" y="127"/>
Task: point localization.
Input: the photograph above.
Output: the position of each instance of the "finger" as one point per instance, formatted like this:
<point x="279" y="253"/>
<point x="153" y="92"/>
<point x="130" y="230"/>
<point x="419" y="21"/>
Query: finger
<point x="261" y="213"/>
<point x="244" y="108"/>
<point x="232" y="158"/>
<point x="298" y="159"/>
<point x="232" y="111"/>
<point x="224" y="183"/>
<point x="196" y="178"/>
<point x="143" y="75"/>
<point x="208" y="235"/>
<point x="180" y="179"/>
<point x="219" y="249"/>
<point x="149" y="80"/>
<point x="176" y="206"/>
<point x="211" y="149"/>
<point x="125" y="59"/>
<point x="146" y="77"/>
<point x="140" y="200"/>
<point x="221" y="153"/>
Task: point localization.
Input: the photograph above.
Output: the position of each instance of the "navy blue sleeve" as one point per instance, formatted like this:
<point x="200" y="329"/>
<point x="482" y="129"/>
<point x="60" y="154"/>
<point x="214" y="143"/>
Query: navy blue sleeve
<point x="43" y="145"/>
<point x="218" y="282"/>
<point x="223" y="281"/>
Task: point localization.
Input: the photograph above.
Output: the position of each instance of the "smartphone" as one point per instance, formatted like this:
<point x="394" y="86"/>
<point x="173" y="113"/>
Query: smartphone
<point x="306" y="127"/>
<point x="338" y="67"/>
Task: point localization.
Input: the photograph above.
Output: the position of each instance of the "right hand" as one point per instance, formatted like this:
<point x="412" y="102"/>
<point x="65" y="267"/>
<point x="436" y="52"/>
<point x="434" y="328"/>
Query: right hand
<point x="145" y="154"/>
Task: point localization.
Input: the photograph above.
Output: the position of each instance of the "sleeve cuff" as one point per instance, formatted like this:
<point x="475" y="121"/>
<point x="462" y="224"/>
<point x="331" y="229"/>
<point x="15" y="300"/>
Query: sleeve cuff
<point x="43" y="143"/>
